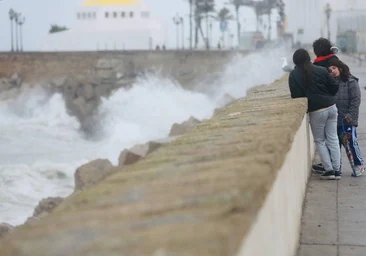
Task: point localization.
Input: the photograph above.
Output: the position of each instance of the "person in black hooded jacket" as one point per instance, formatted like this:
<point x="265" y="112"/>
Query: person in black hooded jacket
<point x="319" y="87"/>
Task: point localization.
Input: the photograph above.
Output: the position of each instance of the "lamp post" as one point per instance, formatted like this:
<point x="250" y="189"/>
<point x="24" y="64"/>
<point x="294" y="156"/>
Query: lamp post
<point x="177" y="21"/>
<point x="11" y="17"/>
<point x="328" y="11"/>
<point x="21" y="21"/>
<point x="182" y="22"/>
<point x="16" y="18"/>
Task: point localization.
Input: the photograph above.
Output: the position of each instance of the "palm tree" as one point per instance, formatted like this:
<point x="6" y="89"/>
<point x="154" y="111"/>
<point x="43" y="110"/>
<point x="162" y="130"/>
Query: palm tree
<point x="281" y="13"/>
<point x="270" y="4"/>
<point x="259" y="9"/>
<point x="191" y="5"/>
<point x="12" y="17"/>
<point x="237" y="4"/>
<point x="202" y="9"/>
<point x="223" y="16"/>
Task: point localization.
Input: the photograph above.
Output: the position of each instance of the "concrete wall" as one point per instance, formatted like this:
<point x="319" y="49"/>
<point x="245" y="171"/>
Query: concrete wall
<point x="185" y="66"/>
<point x="234" y="185"/>
<point x="279" y="221"/>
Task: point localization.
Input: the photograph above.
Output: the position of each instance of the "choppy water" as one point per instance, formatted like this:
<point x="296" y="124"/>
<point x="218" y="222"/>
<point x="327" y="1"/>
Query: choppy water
<point x="41" y="145"/>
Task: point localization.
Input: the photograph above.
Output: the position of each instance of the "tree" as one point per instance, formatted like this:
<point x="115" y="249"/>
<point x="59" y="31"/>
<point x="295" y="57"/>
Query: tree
<point x="223" y="16"/>
<point x="260" y="8"/>
<point x="203" y="8"/>
<point x="281" y="13"/>
<point x="270" y="4"/>
<point x="191" y="5"/>
<point x="237" y="4"/>
<point x="56" y="28"/>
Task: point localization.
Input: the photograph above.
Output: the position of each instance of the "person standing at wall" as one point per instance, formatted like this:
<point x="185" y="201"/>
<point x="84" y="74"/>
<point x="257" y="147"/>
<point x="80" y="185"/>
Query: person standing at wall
<point x="319" y="87"/>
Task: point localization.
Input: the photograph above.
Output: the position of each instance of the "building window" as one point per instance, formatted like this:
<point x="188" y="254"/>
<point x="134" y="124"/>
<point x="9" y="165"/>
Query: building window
<point x="131" y="14"/>
<point x="106" y="14"/>
<point x="89" y="15"/>
<point x="123" y="14"/>
<point x="84" y="15"/>
<point x="115" y="15"/>
<point x="94" y="15"/>
<point x="79" y="16"/>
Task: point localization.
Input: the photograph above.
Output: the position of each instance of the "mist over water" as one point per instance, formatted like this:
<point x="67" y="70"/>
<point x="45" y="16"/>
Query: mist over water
<point x="41" y="145"/>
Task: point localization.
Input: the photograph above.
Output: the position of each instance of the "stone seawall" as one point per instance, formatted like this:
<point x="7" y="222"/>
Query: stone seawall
<point x="187" y="67"/>
<point x="203" y="194"/>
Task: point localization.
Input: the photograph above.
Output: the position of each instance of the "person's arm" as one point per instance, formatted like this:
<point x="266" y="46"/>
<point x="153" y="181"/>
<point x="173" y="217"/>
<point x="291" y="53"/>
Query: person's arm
<point x="355" y="100"/>
<point x="332" y="84"/>
<point x="295" y="88"/>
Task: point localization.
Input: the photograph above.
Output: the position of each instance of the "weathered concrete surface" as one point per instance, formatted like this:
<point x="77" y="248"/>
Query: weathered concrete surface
<point x="334" y="218"/>
<point x="199" y="195"/>
<point x="187" y="67"/>
<point x="279" y="220"/>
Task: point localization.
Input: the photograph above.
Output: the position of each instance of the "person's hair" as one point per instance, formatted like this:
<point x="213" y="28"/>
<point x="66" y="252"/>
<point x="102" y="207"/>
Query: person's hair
<point x="343" y="68"/>
<point x="301" y="58"/>
<point x="322" y="47"/>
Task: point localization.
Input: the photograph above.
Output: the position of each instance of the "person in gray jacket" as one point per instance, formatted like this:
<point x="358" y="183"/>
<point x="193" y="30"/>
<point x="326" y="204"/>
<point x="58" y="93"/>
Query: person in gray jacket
<point x="348" y="100"/>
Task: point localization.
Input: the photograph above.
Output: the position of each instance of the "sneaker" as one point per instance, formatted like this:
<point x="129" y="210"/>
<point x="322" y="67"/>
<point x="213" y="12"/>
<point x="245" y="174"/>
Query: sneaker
<point x="359" y="170"/>
<point x="338" y="175"/>
<point x="318" y="168"/>
<point x="329" y="175"/>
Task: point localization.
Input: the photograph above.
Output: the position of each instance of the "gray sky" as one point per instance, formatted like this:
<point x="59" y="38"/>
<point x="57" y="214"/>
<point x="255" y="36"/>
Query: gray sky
<point x="40" y="14"/>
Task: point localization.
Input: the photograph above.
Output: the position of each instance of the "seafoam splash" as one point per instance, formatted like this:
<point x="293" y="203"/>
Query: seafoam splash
<point x="41" y="145"/>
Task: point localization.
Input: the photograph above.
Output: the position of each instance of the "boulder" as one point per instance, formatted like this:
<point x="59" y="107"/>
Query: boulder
<point x="88" y="91"/>
<point x="5" y="228"/>
<point x="9" y="94"/>
<point x="69" y="89"/>
<point x="34" y="219"/>
<point x="103" y="90"/>
<point x="145" y="149"/>
<point x="85" y="91"/>
<point x="225" y="100"/>
<point x="179" y="129"/>
<point x="16" y="80"/>
<point x="78" y="107"/>
<point x="47" y="205"/>
<point x="5" y="84"/>
<point x="59" y="81"/>
<point x="128" y="157"/>
<point x="91" y="173"/>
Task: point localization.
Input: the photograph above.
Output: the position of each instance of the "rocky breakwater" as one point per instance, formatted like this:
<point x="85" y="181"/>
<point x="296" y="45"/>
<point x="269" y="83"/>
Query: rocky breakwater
<point x="198" y="195"/>
<point x="94" y="172"/>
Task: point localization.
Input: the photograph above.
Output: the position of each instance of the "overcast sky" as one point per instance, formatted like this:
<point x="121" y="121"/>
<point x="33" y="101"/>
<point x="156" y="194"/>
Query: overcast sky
<point x="40" y="14"/>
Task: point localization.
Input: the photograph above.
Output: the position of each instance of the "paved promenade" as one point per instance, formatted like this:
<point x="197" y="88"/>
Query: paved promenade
<point x="334" y="218"/>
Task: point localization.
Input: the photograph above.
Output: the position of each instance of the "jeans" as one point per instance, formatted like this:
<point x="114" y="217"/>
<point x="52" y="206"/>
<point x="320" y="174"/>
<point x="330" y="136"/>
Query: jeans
<point x="324" y="128"/>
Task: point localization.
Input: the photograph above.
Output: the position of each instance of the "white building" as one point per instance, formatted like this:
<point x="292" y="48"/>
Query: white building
<point x="110" y="25"/>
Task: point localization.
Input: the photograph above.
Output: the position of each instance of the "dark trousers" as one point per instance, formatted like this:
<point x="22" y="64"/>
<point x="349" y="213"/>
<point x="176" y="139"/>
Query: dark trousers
<point x="351" y="130"/>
